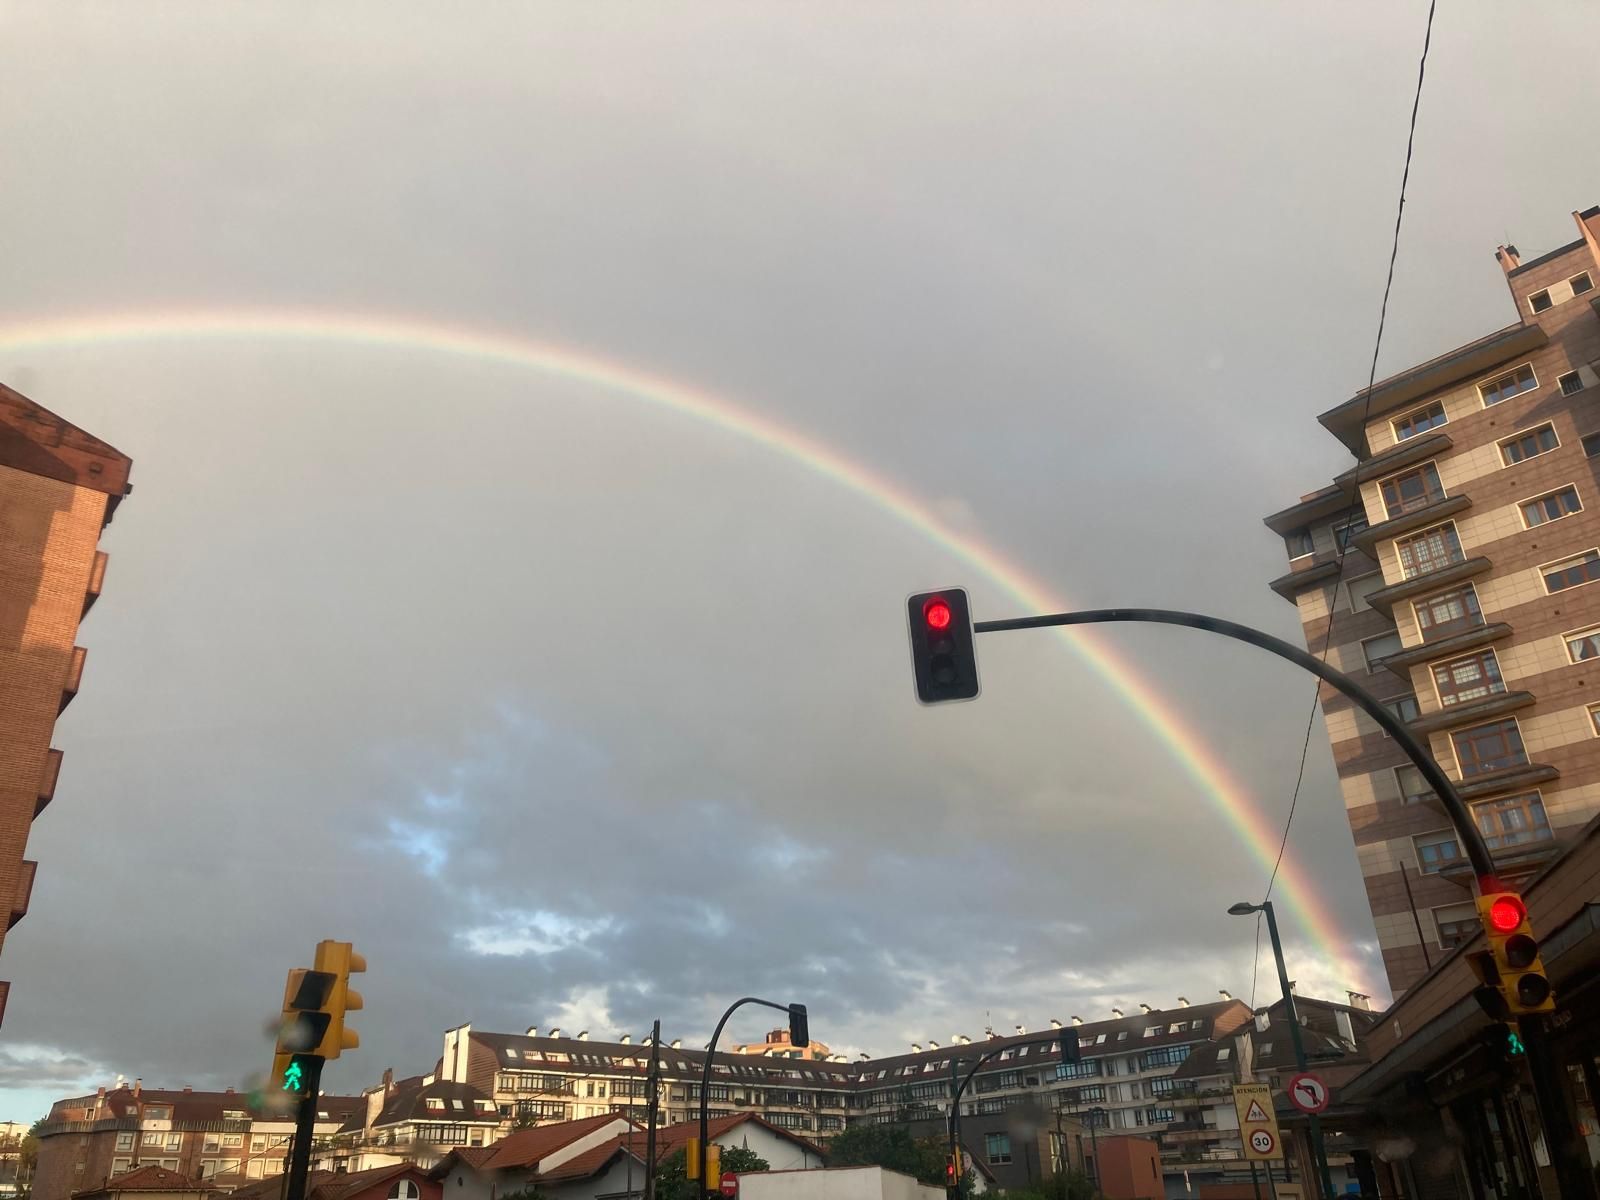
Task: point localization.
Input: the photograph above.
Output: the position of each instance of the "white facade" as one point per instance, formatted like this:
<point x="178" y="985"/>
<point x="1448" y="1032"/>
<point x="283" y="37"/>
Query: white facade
<point x="779" y="1153"/>
<point x="836" y="1183"/>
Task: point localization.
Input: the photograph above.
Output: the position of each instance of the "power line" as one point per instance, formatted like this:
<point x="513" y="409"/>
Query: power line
<point x="1341" y="543"/>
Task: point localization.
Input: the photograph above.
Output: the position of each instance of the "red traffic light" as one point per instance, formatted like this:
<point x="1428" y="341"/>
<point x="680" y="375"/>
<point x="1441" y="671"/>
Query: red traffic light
<point x="1506" y="914"/>
<point x="936" y="612"/>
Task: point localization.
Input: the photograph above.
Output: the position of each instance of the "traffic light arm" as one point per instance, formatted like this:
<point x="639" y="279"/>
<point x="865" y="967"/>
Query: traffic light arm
<point x="1467" y="831"/>
<point x="953" y="1121"/>
<point x="795" y="1012"/>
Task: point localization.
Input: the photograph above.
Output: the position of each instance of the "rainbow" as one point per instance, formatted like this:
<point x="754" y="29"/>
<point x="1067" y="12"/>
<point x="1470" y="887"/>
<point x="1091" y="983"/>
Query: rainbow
<point x="387" y="332"/>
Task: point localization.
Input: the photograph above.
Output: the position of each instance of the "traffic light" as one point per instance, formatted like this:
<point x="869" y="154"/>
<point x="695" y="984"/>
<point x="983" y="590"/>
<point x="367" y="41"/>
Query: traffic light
<point x="952" y="1171"/>
<point x="713" y="1166"/>
<point x="303" y="1027"/>
<point x="691" y="1160"/>
<point x="1520" y="978"/>
<point x="942" y="655"/>
<point x="339" y="960"/>
<point x="799" y="1027"/>
<point x="1071" y="1049"/>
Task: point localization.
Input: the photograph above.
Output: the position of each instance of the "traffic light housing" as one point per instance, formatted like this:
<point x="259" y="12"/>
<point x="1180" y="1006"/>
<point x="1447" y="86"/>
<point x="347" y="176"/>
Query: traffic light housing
<point x="799" y="1027"/>
<point x="691" y="1160"/>
<point x="304" y="1025"/>
<point x="1071" y="1050"/>
<point x="340" y="960"/>
<point x="942" y="656"/>
<point x="1519" y="974"/>
<point x="713" y="1166"/>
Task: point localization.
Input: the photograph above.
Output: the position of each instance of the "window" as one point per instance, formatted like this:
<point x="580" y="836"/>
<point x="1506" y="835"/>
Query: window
<point x="1428" y="551"/>
<point x="258" y="1142"/>
<point x="213" y="1143"/>
<point x="1581" y="283"/>
<point x="1298" y="542"/>
<point x="1550" y="507"/>
<point x="174" y="1141"/>
<point x="1166" y="1056"/>
<point x="208" y="1168"/>
<point x="1122" y="1035"/>
<point x="1347" y="531"/>
<point x="1380" y="647"/>
<point x="1489" y="747"/>
<point x="1591" y="444"/>
<point x="170" y="1164"/>
<point x="1571" y="572"/>
<point x="1224" y="1054"/>
<point x="1512" y="821"/>
<point x="1162" y="1087"/>
<point x="1571" y="383"/>
<point x="1508" y="385"/>
<point x="124" y="1141"/>
<point x="1360" y="588"/>
<point x="1436" y="851"/>
<point x="1583" y="644"/>
<point x="997" y="1147"/>
<point x="1448" y="613"/>
<point x="1151" y="1030"/>
<point x="119" y="1165"/>
<point x="1529" y="444"/>
<point x="404" y="1189"/>
<point x="1540" y="301"/>
<point x="1414" y="788"/>
<point x="1404" y="708"/>
<point x="1469" y="678"/>
<point x="1411" y="490"/>
<point x="152" y="1138"/>
<point x="435" y="1104"/>
<point x="233" y="1141"/>
<point x="1078" y="1070"/>
<point x="1093" y="1094"/>
<point x="1158" y="1116"/>
<point x="1420" y="421"/>
<point x="254" y="1169"/>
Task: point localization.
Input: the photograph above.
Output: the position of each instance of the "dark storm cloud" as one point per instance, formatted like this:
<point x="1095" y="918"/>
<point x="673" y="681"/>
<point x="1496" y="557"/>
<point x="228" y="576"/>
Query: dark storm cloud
<point x="570" y="711"/>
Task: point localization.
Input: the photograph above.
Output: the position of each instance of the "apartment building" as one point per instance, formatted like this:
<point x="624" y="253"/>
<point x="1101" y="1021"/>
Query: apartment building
<point x="217" y="1137"/>
<point x="1469" y="531"/>
<point x="58" y="489"/>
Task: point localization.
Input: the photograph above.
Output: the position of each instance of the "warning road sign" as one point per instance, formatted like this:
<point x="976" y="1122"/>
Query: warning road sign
<point x="1258" y="1124"/>
<point x="1308" y="1093"/>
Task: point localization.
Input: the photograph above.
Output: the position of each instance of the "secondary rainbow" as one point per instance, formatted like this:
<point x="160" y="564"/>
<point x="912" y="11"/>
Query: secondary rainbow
<point x="415" y="334"/>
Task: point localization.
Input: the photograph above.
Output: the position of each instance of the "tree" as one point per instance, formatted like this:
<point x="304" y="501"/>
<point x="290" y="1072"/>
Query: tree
<point x="1065" y="1185"/>
<point x="892" y="1148"/>
<point x="672" y="1182"/>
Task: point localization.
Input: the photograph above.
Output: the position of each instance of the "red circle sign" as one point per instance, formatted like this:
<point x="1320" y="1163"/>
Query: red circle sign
<point x="1308" y="1093"/>
<point x="730" y="1184"/>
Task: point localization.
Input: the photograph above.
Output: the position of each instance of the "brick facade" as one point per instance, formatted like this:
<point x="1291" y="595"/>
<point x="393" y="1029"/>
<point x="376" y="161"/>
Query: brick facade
<point x="58" y="487"/>
<point x="1441" y="430"/>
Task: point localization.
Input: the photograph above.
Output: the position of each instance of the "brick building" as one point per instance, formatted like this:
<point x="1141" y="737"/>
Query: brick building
<point x="58" y="489"/>
<point x="1470" y="529"/>
<point x="216" y="1137"/>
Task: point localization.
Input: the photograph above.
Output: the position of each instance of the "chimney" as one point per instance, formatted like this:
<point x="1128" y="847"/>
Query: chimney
<point x="932" y="1045"/>
<point x="533" y="1031"/>
<point x="1508" y="258"/>
<point x="1077" y="1020"/>
<point x="1116" y="1012"/>
<point x="625" y="1039"/>
<point x="1360" y="1001"/>
<point x="1183" y="1002"/>
<point x="916" y="1047"/>
<point x="1225" y="994"/>
<point x="388" y="1080"/>
<point x="865" y="1057"/>
<point x="187" y="1089"/>
<point x="677" y="1043"/>
<point x="1054" y="1024"/>
<point x="1145" y="1008"/>
<point x="1021" y="1029"/>
<point x="555" y="1031"/>
<point x="965" y="1040"/>
<point x="227" y="1091"/>
<point x="138" y="1086"/>
<point x="101" y="1092"/>
<point x="583" y="1035"/>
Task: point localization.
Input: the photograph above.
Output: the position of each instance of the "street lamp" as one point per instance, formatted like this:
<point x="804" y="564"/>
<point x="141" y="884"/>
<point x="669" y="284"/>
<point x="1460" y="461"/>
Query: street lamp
<point x="1245" y="909"/>
<point x="799" y="1035"/>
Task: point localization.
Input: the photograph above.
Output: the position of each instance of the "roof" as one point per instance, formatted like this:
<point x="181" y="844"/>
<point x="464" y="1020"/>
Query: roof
<point x="526" y="1147"/>
<point x="592" y="1162"/>
<point x="519" y="1052"/>
<point x="409" y="1101"/>
<point x="148" y="1179"/>
<point x="340" y="1185"/>
<point x="670" y="1138"/>
<point x="35" y="440"/>
<point x="272" y="1189"/>
<point x="191" y="1106"/>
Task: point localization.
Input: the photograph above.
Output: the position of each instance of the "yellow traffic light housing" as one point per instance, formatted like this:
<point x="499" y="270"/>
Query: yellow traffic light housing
<point x="340" y="960"/>
<point x="713" y="1166"/>
<point x="691" y="1159"/>
<point x="1520" y="975"/>
<point x="304" y="1025"/>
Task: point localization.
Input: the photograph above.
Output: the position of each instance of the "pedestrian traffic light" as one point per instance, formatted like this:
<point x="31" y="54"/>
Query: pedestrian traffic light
<point x="799" y="1026"/>
<point x="942" y="656"/>
<point x="340" y="961"/>
<point x="1520" y="976"/>
<point x="303" y="1027"/>
<point x="952" y="1171"/>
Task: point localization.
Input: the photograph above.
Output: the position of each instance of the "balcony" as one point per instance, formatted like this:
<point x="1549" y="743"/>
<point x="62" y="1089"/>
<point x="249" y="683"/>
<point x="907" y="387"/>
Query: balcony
<point x="69" y="686"/>
<point x="1425" y="514"/>
<point x="47" y="784"/>
<point x="1445" y="647"/>
<point x="1402" y="454"/>
<point x="1470" y="714"/>
<point x="97" y="578"/>
<point x="1507" y="779"/>
<point x="1306" y="570"/>
<point x="19" y="902"/>
<point x="1384" y="599"/>
<point x="1512" y="862"/>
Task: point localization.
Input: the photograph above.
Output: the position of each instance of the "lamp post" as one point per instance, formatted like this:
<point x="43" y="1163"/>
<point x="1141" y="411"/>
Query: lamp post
<point x="799" y="1035"/>
<point x="1245" y="909"/>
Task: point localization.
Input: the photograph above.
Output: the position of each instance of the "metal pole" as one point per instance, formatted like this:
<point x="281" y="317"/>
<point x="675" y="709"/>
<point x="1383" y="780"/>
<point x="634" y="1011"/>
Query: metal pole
<point x="1466" y="828"/>
<point x="1094" y="1146"/>
<point x="1317" y="1150"/>
<point x="1255" y="1179"/>
<point x="705" y="1079"/>
<point x="305" y="1122"/>
<point x="1411" y="902"/>
<point x="652" y="1084"/>
<point x="954" y="1123"/>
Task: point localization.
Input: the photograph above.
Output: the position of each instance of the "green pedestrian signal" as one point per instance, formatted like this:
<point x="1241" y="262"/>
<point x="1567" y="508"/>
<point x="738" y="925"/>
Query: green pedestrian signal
<point x="293" y="1075"/>
<point x="1514" y="1044"/>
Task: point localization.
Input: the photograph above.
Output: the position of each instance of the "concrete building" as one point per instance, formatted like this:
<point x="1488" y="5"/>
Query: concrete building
<point x="1470" y="531"/>
<point x="58" y="489"/>
<point x="837" y="1183"/>
<point x="91" y="1141"/>
<point x="417" y="1120"/>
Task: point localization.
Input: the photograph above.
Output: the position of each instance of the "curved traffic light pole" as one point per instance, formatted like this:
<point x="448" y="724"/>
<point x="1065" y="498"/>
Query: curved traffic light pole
<point x="953" y="1124"/>
<point x="798" y="1025"/>
<point x="1467" y="831"/>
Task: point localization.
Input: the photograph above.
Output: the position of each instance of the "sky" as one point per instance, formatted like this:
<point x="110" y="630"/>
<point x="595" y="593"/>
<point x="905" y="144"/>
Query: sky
<point x="570" y="706"/>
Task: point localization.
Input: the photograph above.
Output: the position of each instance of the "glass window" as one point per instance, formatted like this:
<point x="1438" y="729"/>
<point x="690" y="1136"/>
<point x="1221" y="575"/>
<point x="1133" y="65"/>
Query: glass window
<point x="1591" y="444"/>
<point x="1571" y="383"/>
<point x="1594" y="718"/>
<point x="1581" y="283"/>
<point x="1489" y="747"/>
<point x="1405" y="708"/>
<point x="997" y="1147"/>
<point x="1530" y="444"/>
<point x="1471" y="677"/>
<point x="1508" y="385"/>
<point x="1436" y="851"/>
<point x="1540" y="301"/>
<point x="1456" y="923"/>
<point x="1448" y="613"/>
<point x="1428" y="551"/>
<point x="1572" y="572"/>
<point x="1513" y="821"/>
<point x="1551" y="507"/>
<point x="404" y="1189"/>
<point x="1360" y="588"/>
<point x="1298" y="542"/>
<point x="1583" y="645"/>
<point x="1420" y="421"/>
<point x="1347" y="531"/>
<point x="1414" y="788"/>
<point x="124" y="1141"/>
<point x="1411" y="490"/>
<point x="1380" y="647"/>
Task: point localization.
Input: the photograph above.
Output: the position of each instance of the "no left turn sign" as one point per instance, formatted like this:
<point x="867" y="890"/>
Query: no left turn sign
<point x="1308" y="1093"/>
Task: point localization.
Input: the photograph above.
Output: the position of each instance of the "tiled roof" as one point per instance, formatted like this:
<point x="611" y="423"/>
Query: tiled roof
<point x="526" y="1147"/>
<point x="592" y="1162"/>
<point x="341" y="1185"/>
<point x="272" y="1189"/>
<point x="203" y="1106"/>
<point x="670" y="1138"/>
<point x="409" y="1101"/>
<point x="147" y="1179"/>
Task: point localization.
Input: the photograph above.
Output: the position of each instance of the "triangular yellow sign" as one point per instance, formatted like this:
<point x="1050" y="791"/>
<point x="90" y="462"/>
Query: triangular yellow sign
<point x="1256" y="1113"/>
